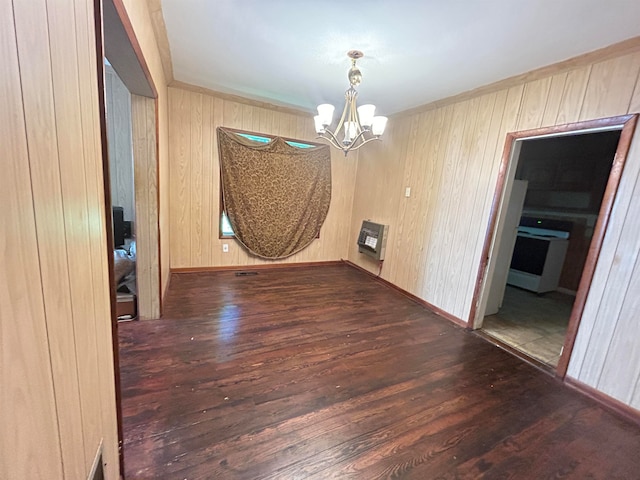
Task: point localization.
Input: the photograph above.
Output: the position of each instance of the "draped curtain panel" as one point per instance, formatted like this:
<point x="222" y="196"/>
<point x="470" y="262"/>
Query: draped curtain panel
<point x="276" y="196"/>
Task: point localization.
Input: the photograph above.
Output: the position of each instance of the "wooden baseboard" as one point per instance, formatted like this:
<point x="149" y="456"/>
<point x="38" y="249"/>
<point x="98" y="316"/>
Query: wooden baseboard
<point x="605" y="400"/>
<point x="164" y="294"/>
<point x="262" y="266"/>
<point x="411" y="296"/>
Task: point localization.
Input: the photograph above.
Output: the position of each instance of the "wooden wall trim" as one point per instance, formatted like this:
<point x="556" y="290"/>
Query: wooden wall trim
<point x="605" y="400"/>
<point x="131" y="34"/>
<point x="243" y="268"/>
<point x="238" y="99"/>
<point x="411" y="296"/>
<point x="616" y="50"/>
<point x="106" y="178"/>
<point x="158" y="206"/>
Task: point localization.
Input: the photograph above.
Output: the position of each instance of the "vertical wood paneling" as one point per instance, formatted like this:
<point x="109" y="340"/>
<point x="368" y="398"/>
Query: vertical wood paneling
<point x="39" y="113"/>
<point x="622" y="348"/>
<point x="444" y="227"/>
<point x="195" y="189"/>
<point x="477" y="170"/>
<point x="433" y="154"/>
<point x="552" y="106"/>
<point x="118" y="101"/>
<point x="74" y="196"/>
<point x="195" y="181"/>
<point x="610" y="87"/>
<point x="481" y="204"/>
<point x="146" y="174"/>
<point x="611" y="279"/>
<point x="459" y="206"/>
<point x="409" y="234"/>
<point x="98" y="262"/>
<point x="57" y="367"/>
<point x="432" y="234"/>
<point x="634" y="107"/>
<point x="179" y="177"/>
<point x="209" y="212"/>
<point x="573" y="95"/>
<point x="27" y="398"/>
<point x="533" y="104"/>
<point x="216" y="246"/>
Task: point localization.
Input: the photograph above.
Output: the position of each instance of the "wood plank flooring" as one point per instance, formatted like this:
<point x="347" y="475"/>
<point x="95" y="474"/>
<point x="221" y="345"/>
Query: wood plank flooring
<point x="322" y="372"/>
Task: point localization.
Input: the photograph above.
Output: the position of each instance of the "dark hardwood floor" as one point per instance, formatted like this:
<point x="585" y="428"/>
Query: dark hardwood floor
<point x="322" y="372"/>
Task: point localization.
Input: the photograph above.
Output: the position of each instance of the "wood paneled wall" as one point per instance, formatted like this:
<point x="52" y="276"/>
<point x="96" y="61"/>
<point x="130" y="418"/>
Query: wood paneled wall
<point x="57" y="396"/>
<point x="118" y="105"/>
<point x="146" y="181"/>
<point x="450" y="155"/>
<point x="194" y="177"/>
<point x="140" y="17"/>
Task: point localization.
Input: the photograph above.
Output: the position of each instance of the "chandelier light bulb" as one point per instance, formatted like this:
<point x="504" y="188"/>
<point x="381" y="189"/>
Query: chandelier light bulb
<point x="317" y="120"/>
<point x="378" y="126"/>
<point x="365" y="113"/>
<point x="350" y="131"/>
<point x="325" y="112"/>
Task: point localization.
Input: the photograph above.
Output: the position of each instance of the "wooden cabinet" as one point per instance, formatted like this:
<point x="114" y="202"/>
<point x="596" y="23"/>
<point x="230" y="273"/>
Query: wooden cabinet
<point x="567" y="173"/>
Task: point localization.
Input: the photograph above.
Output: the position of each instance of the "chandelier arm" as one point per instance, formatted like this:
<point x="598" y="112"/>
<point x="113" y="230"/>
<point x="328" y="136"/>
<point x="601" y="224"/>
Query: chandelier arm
<point x="331" y="137"/>
<point x="344" y="111"/>
<point x="354" y="113"/>
<point x="332" y="140"/>
<point x="360" y="137"/>
<point x="377" y="137"/>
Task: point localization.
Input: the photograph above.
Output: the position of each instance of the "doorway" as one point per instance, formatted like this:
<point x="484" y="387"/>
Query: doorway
<point x="120" y="45"/>
<point x="551" y="209"/>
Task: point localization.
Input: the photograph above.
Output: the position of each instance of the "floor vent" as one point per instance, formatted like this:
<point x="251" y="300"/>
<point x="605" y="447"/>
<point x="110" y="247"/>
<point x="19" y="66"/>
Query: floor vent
<point x="245" y="274"/>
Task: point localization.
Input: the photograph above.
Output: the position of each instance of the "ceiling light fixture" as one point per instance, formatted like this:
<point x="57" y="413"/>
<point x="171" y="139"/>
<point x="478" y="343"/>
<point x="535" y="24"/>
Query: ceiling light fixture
<point x="359" y="124"/>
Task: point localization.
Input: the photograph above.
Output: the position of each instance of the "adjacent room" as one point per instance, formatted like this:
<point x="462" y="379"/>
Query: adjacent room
<point x="559" y="187"/>
<point x="276" y="240"/>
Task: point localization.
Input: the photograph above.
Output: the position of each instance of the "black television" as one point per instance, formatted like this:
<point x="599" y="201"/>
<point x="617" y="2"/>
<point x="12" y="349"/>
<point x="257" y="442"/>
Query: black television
<point x="118" y="227"/>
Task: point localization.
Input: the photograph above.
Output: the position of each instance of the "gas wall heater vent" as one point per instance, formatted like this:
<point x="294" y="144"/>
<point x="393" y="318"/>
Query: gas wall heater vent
<point x="245" y="274"/>
<point x="372" y="240"/>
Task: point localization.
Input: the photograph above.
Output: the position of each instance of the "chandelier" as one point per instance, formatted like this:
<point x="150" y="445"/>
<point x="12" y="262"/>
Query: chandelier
<point x="358" y="125"/>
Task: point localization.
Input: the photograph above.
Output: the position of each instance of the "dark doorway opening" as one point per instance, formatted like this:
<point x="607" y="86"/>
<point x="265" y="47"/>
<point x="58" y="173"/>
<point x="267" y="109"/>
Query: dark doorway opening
<point x="565" y="178"/>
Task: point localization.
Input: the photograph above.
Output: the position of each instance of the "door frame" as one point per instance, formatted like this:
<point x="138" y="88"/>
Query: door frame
<point x="626" y="124"/>
<point x="139" y="81"/>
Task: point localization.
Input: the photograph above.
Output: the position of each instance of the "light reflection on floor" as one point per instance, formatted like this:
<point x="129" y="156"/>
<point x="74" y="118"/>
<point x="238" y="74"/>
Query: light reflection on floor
<point x="228" y="322"/>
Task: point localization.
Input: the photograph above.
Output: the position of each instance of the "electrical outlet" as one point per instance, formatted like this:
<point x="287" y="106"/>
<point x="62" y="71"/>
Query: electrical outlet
<point x="407" y="192"/>
<point x="225" y="247"/>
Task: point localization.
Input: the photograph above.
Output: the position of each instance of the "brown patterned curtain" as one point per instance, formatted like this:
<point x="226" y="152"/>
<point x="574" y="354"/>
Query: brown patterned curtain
<point x="276" y="196"/>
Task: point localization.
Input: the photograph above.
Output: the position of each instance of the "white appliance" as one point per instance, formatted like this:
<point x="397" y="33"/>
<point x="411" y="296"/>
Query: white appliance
<point x="539" y="253"/>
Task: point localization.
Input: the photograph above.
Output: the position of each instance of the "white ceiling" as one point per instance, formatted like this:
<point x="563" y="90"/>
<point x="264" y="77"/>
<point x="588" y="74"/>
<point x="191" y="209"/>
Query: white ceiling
<point x="293" y="52"/>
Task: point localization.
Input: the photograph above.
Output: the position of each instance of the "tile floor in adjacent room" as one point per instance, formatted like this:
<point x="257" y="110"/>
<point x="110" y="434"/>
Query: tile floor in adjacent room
<point x="534" y="324"/>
